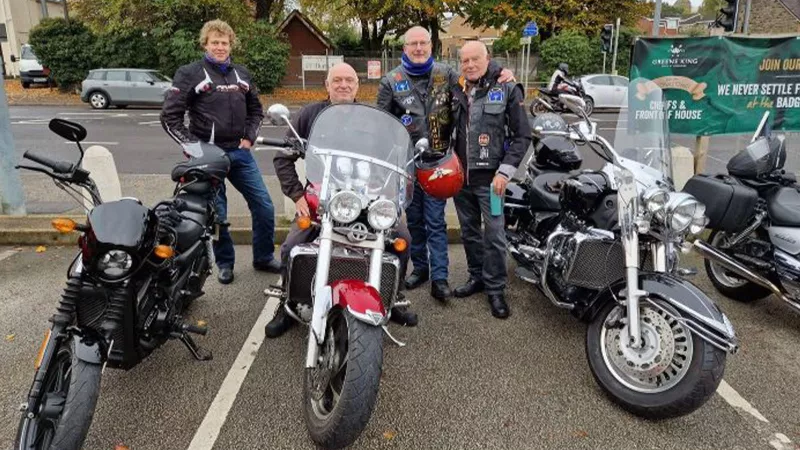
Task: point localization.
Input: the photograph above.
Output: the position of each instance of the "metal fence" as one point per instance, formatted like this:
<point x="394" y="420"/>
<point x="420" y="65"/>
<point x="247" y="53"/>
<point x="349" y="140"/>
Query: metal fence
<point x="389" y="60"/>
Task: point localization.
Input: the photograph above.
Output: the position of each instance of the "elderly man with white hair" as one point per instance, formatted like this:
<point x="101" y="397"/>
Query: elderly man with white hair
<point x="342" y="87"/>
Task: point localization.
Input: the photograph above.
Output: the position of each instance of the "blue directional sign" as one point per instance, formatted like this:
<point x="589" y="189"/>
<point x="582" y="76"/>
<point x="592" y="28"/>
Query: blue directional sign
<point x="530" y="29"/>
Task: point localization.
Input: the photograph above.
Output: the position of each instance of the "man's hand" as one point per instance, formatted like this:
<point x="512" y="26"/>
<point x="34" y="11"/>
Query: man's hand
<point x="302" y="207"/>
<point x="499" y="184"/>
<point x="506" y="76"/>
<point x="245" y="144"/>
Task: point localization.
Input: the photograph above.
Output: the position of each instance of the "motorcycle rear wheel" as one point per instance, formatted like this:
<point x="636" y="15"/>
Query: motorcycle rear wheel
<point x="340" y="394"/>
<point x="70" y="390"/>
<point x="675" y="372"/>
<point x="727" y="283"/>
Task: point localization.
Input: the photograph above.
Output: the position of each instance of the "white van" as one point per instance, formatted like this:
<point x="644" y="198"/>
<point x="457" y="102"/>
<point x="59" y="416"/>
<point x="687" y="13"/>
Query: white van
<point x="30" y="71"/>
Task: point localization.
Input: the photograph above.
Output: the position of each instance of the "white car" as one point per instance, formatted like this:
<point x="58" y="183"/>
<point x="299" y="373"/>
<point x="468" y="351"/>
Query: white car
<point x="606" y="91"/>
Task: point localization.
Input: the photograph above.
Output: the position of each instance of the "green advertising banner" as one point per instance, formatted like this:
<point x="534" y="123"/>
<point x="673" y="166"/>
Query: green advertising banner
<point x="721" y="84"/>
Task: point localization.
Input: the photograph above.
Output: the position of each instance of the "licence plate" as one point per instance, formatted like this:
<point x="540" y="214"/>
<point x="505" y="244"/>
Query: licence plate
<point x="40" y="80"/>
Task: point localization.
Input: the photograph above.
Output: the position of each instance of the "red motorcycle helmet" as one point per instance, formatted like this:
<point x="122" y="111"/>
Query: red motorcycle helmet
<point x="440" y="176"/>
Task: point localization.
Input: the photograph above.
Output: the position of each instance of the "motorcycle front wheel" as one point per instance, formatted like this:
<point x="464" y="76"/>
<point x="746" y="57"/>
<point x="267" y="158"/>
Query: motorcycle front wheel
<point x="70" y="391"/>
<point x="671" y="375"/>
<point x="340" y="394"/>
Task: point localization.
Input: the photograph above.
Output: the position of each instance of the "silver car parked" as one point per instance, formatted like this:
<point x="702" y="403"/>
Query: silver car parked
<point x="122" y="87"/>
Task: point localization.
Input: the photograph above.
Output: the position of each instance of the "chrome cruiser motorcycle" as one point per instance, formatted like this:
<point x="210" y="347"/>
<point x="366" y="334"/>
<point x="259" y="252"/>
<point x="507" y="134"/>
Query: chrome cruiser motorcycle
<point x="754" y="215"/>
<point x="605" y="245"/>
<point x="360" y="172"/>
<point x="136" y="271"/>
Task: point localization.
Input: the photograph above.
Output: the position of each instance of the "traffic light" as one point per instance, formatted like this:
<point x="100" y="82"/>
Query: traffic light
<point x="605" y="37"/>
<point x="729" y="13"/>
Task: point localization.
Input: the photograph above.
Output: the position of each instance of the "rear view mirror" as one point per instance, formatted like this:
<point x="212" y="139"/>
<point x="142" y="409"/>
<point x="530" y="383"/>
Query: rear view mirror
<point x="68" y="130"/>
<point x="277" y="113"/>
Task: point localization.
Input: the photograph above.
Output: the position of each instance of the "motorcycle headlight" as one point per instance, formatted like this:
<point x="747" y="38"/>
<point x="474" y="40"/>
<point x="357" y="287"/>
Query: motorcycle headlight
<point x="344" y="166"/>
<point x="345" y="207"/>
<point x="115" y="263"/>
<point x="655" y="200"/>
<point x="681" y="210"/>
<point x="382" y="215"/>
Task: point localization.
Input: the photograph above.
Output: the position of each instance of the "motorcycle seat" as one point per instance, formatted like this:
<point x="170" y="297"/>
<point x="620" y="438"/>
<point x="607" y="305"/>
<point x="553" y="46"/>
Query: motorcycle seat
<point x="784" y="207"/>
<point x="209" y="166"/>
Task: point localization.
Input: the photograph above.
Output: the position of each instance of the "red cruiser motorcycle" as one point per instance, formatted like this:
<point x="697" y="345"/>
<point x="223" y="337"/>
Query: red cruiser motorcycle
<point x="359" y="164"/>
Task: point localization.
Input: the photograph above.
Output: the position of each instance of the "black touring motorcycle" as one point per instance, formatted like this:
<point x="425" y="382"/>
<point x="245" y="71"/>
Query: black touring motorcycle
<point x="137" y="270"/>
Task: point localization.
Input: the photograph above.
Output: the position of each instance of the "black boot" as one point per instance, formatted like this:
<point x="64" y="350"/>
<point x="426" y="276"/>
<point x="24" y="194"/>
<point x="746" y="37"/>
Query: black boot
<point x="225" y="275"/>
<point x="440" y="290"/>
<point x="279" y="324"/>
<point x="472" y="286"/>
<point x="416" y="279"/>
<point x="499" y="306"/>
<point x="403" y="316"/>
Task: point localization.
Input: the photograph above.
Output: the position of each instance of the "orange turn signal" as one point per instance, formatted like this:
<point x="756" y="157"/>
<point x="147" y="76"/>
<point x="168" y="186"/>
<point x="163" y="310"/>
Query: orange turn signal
<point x="64" y="225"/>
<point x="400" y="244"/>
<point x="40" y="355"/>
<point x="164" y="251"/>
<point x="304" y="222"/>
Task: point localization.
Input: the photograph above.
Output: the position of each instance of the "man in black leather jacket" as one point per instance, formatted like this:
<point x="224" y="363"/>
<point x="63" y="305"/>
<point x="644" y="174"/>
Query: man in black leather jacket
<point x="342" y="86"/>
<point x="224" y="110"/>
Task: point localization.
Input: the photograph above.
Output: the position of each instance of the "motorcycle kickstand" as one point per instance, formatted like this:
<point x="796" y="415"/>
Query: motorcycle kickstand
<point x="398" y="343"/>
<point x="198" y="352"/>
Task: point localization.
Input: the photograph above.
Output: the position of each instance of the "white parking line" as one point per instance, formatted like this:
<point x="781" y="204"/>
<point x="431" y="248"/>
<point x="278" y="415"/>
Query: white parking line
<point x="777" y="440"/>
<point x="151" y="122"/>
<point x="217" y="413"/>
<point x="9" y="253"/>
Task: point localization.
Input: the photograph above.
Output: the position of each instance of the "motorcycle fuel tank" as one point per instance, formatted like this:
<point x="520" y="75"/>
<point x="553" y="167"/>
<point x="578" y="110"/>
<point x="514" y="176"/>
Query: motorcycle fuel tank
<point x="583" y="193"/>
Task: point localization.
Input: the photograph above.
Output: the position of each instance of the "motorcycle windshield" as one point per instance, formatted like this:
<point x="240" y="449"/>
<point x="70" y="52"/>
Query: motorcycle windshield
<point x="642" y="133"/>
<point x="361" y="149"/>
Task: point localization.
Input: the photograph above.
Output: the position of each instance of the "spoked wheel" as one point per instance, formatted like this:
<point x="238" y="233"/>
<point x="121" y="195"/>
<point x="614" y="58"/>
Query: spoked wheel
<point x="729" y="283"/>
<point x="672" y="374"/>
<point x="339" y="394"/>
<point x="70" y="392"/>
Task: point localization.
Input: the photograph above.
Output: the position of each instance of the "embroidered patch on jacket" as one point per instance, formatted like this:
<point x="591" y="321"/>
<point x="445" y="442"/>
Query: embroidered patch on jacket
<point x="406" y="119"/>
<point x="496" y="95"/>
<point x="483" y="140"/>
<point x="402" y="86"/>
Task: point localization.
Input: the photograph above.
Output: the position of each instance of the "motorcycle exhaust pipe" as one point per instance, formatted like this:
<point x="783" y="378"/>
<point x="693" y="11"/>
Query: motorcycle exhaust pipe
<point x="707" y="251"/>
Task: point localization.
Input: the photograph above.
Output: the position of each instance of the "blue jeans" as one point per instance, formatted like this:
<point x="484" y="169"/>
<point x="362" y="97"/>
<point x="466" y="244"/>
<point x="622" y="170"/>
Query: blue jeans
<point x="246" y="178"/>
<point x="428" y="231"/>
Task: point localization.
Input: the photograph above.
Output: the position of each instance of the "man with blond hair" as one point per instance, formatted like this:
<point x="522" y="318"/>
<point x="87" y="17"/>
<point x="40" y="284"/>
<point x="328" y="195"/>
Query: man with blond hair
<point x="224" y="110"/>
<point x="342" y="87"/>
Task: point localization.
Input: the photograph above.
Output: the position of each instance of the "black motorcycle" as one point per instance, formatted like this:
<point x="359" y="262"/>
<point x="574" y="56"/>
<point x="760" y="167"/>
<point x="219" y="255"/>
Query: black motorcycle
<point x="605" y="245"/>
<point x="136" y="272"/>
<point x="548" y="101"/>
<point x="754" y="215"/>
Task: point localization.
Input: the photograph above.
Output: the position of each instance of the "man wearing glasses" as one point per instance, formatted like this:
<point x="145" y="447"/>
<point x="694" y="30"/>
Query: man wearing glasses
<point x="418" y="92"/>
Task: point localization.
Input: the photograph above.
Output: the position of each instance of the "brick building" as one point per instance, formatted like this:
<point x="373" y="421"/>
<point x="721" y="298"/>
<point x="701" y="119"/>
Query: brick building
<point x="771" y="16"/>
<point x="304" y="38"/>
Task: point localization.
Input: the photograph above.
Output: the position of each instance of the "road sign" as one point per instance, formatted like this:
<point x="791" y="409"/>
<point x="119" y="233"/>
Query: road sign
<point x="320" y="63"/>
<point x="530" y="29"/>
<point x="525" y="40"/>
<point x="373" y="70"/>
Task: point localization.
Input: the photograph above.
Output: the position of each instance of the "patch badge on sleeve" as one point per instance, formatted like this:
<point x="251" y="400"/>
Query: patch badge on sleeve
<point x="406" y="119"/>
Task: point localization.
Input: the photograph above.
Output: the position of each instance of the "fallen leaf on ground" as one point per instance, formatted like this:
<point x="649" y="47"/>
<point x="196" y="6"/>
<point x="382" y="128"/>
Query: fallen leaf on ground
<point x="389" y="435"/>
<point x="121" y="447"/>
<point x="10" y="337"/>
<point x="201" y="323"/>
<point x="41" y="249"/>
<point x="581" y="434"/>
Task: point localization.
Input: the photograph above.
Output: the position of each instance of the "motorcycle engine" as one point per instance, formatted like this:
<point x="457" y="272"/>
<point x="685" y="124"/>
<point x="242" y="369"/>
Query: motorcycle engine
<point x="586" y="260"/>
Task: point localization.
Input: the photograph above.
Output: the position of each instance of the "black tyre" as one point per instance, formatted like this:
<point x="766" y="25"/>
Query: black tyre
<point x="668" y="378"/>
<point x="728" y="283"/>
<point x="99" y="100"/>
<point x="537" y="108"/>
<point x="26" y="84"/>
<point x="589" y="105"/>
<point x="71" y="389"/>
<point x="339" y="395"/>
